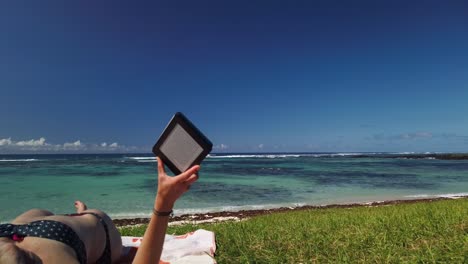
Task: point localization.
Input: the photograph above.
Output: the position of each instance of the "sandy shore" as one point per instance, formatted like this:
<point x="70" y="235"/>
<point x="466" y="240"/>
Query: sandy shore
<point x="243" y="214"/>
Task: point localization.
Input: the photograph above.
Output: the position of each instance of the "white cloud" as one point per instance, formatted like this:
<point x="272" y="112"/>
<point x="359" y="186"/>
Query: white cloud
<point x="7" y="145"/>
<point x="404" y="136"/>
<point x="32" y="143"/>
<point x="5" y="142"/>
<point x="221" y="147"/>
<point x="415" y="135"/>
<point x="453" y="136"/>
<point x="260" y="146"/>
<point x="74" y="145"/>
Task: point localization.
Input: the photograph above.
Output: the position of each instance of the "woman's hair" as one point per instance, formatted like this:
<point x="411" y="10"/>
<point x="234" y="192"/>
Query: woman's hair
<point x="10" y="253"/>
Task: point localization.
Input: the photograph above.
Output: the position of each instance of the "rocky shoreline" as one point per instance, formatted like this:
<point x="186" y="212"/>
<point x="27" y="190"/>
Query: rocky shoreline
<point x="243" y="214"/>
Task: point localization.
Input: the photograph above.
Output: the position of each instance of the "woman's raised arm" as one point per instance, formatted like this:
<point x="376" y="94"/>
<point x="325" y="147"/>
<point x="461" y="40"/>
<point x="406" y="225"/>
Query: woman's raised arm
<point x="169" y="190"/>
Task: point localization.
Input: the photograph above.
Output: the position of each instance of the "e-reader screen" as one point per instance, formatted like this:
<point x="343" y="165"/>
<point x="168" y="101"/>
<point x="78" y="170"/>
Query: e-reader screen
<point x="180" y="148"/>
<point x="181" y="145"/>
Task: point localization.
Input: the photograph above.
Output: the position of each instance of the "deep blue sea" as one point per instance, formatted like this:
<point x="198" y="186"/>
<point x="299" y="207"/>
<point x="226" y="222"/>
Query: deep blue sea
<point x="124" y="185"/>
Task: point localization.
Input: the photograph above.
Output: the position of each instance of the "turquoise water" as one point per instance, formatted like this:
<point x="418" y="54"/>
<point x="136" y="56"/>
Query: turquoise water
<point x="124" y="185"/>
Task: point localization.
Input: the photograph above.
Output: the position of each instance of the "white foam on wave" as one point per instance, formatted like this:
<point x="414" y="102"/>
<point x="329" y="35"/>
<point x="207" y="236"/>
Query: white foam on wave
<point x="17" y="160"/>
<point x="346" y="154"/>
<point x="444" y="195"/>
<point x="141" y="158"/>
<point x="215" y="209"/>
<point x="270" y="156"/>
<point x="292" y="155"/>
<point x="127" y="215"/>
<point x="233" y="208"/>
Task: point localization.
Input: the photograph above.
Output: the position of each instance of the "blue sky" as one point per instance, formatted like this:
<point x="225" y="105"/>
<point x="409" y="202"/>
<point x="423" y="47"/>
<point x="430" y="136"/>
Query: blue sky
<point x="255" y="76"/>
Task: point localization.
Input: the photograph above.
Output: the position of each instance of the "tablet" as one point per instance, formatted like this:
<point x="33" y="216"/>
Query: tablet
<point x="181" y="145"/>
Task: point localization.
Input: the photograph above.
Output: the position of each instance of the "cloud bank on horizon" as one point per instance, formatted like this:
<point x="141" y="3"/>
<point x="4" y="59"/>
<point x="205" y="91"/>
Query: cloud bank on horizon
<point x="9" y="146"/>
<point x="403" y="142"/>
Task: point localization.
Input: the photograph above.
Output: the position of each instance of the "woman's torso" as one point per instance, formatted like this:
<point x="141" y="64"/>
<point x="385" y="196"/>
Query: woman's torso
<point x="87" y="227"/>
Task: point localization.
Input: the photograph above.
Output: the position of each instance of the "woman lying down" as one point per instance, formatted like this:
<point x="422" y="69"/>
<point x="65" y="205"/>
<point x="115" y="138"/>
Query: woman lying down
<point x="89" y="235"/>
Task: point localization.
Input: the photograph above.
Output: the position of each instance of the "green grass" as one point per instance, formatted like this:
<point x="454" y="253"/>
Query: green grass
<point x="435" y="232"/>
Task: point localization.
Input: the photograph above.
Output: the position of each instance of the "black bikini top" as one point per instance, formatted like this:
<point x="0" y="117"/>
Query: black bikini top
<point x="47" y="229"/>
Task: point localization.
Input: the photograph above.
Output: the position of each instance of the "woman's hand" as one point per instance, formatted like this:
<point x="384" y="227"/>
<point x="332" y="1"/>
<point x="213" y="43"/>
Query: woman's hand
<point x="171" y="188"/>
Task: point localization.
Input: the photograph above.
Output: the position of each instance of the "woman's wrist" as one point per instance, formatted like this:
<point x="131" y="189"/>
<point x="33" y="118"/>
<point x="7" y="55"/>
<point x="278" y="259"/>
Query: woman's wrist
<point x="162" y="206"/>
<point x="163" y="214"/>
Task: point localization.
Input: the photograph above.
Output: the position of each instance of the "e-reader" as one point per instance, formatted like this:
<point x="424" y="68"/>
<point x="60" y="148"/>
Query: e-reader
<point x="182" y="145"/>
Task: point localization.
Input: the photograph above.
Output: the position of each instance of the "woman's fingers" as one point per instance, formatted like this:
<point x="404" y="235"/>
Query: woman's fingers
<point x="192" y="179"/>
<point x="186" y="175"/>
<point x="161" y="170"/>
<point x="186" y="178"/>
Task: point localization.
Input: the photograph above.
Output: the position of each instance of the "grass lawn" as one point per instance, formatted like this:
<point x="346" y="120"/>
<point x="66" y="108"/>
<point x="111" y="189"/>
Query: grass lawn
<point x="426" y="232"/>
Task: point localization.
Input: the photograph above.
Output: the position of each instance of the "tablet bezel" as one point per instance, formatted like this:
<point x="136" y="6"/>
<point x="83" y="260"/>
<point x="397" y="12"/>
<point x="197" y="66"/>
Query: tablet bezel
<point x="193" y="131"/>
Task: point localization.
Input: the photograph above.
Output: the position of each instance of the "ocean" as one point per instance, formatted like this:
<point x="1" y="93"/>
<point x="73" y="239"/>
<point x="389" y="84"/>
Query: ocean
<point x="124" y="185"/>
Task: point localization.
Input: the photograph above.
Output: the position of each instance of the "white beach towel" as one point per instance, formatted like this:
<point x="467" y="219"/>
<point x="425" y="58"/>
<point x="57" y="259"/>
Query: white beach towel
<point x="194" y="247"/>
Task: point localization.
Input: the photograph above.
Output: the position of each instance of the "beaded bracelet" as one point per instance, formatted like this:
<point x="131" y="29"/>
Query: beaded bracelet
<point x="158" y="213"/>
